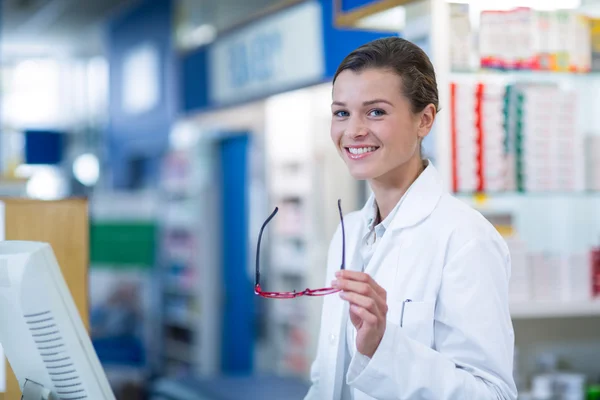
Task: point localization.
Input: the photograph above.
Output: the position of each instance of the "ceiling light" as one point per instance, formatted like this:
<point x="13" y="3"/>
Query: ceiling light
<point x="46" y="184"/>
<point x="86" y="169"/>
<point x="509" y="4"/>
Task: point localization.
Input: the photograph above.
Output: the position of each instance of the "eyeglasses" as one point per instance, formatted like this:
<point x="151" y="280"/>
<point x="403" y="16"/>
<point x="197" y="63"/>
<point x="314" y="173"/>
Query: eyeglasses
<point x="305" y="292"/>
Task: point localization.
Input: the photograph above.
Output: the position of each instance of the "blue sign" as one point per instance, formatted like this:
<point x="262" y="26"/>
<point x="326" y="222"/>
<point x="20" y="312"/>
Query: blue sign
<point x="273" y="54"/>
<point x="353" y="5"/>
<point x="297" y="47"/>
<point x="255" y="61"/>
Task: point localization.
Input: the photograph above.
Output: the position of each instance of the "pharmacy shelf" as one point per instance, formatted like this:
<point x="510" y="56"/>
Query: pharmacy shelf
<point x="526" y="73"/>
<point x="511" y="201"/>
<point x="179" y="351"/>
<point x="190" y="322"/>
<point x="540" y="194"/>
<point x="537" y="310"/>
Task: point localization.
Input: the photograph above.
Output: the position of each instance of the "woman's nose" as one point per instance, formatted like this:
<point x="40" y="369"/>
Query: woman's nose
<point x="356" y="129"/>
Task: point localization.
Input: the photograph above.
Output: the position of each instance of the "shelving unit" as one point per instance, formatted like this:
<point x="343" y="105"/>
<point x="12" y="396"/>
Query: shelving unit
<point x="555" y="309"/>
<point x="551" y="230"/>
<point x="288" y="261"/>
<point x="188" y="329"/>
<point x="122" y="260"/>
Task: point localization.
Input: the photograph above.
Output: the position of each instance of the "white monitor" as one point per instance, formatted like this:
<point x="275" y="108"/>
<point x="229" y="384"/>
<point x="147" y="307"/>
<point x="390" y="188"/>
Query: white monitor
<point x="43" y="336"/>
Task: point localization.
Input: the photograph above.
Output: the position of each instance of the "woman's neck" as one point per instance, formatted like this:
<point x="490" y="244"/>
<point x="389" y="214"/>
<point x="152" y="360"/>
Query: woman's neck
<point x="390" y="188"/>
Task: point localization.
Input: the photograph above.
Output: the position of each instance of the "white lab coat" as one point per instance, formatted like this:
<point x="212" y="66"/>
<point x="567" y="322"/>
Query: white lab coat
<point x="456" y="339"/>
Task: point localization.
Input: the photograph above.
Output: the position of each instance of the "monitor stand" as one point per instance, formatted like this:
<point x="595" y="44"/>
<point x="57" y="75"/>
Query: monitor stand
<point x="35" y="391"/>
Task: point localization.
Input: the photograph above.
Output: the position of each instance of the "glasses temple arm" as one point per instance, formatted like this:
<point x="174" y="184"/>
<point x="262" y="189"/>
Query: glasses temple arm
<point x="343" y="266"/>
<point x="262" y="228"/>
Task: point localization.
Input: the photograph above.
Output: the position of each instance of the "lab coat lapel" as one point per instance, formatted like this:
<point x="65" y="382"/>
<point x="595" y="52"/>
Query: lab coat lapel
<point x="418" y="203"/>
<point x="420" y="199"/>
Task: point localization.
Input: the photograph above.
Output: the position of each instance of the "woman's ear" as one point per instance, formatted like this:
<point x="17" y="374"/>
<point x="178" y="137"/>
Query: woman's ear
<point x="427" y="119"/>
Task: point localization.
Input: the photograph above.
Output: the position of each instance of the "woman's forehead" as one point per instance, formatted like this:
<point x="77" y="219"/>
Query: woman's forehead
<point x="368" y="83"/>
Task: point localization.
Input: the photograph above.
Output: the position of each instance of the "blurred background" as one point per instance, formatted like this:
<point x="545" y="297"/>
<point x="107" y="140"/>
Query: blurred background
<point x="185" y="122"/>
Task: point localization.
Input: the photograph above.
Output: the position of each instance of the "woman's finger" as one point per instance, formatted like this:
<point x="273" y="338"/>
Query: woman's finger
<point x="378" y="289"/>
<point x="364" y="314"/>
<point x="357" y="276"/>
<point x="368" y="303"/>
<point x="355" y="286"/>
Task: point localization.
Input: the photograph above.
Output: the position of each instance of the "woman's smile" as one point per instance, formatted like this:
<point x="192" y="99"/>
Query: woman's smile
<point x="360" y="152"/>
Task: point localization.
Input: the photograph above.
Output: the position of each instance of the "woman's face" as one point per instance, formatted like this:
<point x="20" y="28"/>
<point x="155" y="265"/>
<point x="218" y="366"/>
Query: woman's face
<point x="373" y="126"/>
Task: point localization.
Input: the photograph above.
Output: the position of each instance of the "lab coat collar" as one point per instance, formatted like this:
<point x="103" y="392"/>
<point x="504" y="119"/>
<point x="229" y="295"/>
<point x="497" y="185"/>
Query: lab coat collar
<point x="417" y="203"/>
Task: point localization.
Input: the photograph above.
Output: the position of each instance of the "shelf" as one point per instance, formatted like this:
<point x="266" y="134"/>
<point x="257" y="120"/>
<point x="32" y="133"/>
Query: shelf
<point x="526" y="74"/>
<point x="535" y="310"/>
<point x="179" y="351"/>
<point x="187" y="319"/>
<point x="174" y="290"/>
<point x="510" y="201"/>
<point x="188" y="324"/>
<point x="549" y="194"/>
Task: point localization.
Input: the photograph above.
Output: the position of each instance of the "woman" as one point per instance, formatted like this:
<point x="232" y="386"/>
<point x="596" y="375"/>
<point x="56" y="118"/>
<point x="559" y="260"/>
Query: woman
<point x="423" y="308"/>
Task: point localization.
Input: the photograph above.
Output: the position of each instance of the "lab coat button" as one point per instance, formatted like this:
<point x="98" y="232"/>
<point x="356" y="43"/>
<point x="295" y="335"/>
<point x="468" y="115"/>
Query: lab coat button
<point x="332" y="338"/>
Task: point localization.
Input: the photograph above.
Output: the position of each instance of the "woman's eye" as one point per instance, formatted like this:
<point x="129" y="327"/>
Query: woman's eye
<point x="376" y="113"/>
<point x="341" y="114"/>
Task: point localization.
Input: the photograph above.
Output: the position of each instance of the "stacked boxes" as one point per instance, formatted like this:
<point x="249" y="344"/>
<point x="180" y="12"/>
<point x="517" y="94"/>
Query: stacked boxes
<point x="460" y="37"/>
<point x="592" y="164"/>
<point x="493" y="160"/>
<point x="464" y="138"/>
<point x="548" y="277"/>
<point x="545" y="276"/>
<point x="520" y="288"/>
<point x="568" y="153"/>
<point x="595" y="43"/>
<point x="524" y="38"/>
<point x="556" y="277"/>
<point x="547" y="146"/>
<point x="513" y="106"/>
<point x="595" y="271"/>
<point x="492" y="39"/>
<point x="572" y="43"/>
<point x="543" y="43"/>
<point x="575" y="277"/>
<point x="582" y="40"/>
<point x="519" y="137"/>
<point x="479" y="162"/>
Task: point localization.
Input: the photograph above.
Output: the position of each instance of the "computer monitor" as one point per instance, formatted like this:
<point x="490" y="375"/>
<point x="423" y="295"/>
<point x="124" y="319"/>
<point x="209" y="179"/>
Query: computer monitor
<point x="43" y="336"/>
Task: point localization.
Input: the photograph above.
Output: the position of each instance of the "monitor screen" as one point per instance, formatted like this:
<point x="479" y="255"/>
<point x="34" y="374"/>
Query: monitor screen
<point x="45" y="340"/>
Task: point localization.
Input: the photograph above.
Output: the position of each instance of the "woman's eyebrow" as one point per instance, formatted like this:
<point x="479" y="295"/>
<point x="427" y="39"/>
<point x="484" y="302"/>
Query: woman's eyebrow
<point x="375" y="101"/>
<point x="365" y="103"/>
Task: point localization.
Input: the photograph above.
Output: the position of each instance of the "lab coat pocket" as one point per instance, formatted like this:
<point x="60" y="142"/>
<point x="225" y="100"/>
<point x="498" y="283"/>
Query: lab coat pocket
<point x="416" y="320"/>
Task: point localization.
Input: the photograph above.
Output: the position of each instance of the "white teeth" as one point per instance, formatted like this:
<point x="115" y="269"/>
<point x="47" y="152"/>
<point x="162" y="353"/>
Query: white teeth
<point x="361" y="150"/>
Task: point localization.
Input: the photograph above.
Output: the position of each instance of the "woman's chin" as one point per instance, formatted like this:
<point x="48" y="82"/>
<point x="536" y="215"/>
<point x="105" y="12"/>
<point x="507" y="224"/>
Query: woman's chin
<point x="361" y="174"/>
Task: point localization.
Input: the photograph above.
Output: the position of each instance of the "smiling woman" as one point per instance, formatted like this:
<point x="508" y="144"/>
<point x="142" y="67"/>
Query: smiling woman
<point x="423" y="271"/>
<point x="384" y="104"/>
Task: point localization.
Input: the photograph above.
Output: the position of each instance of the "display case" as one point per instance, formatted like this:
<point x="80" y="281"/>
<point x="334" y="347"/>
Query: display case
<point x="524" y="142"/>
<point x="64" y="225"/>
<point x="187" y="277"/>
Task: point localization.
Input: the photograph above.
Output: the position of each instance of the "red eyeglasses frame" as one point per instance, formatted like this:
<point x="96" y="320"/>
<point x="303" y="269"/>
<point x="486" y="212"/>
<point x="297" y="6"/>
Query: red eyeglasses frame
<point x="306" y="292"/>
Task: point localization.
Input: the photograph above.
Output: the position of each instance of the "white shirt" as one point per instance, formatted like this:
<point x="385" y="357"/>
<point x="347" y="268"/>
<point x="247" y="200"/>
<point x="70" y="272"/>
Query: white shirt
<point x="370" y="240"/>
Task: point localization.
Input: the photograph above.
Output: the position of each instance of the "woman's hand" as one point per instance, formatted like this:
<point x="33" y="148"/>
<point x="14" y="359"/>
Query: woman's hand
<point x="368" y="308"/>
